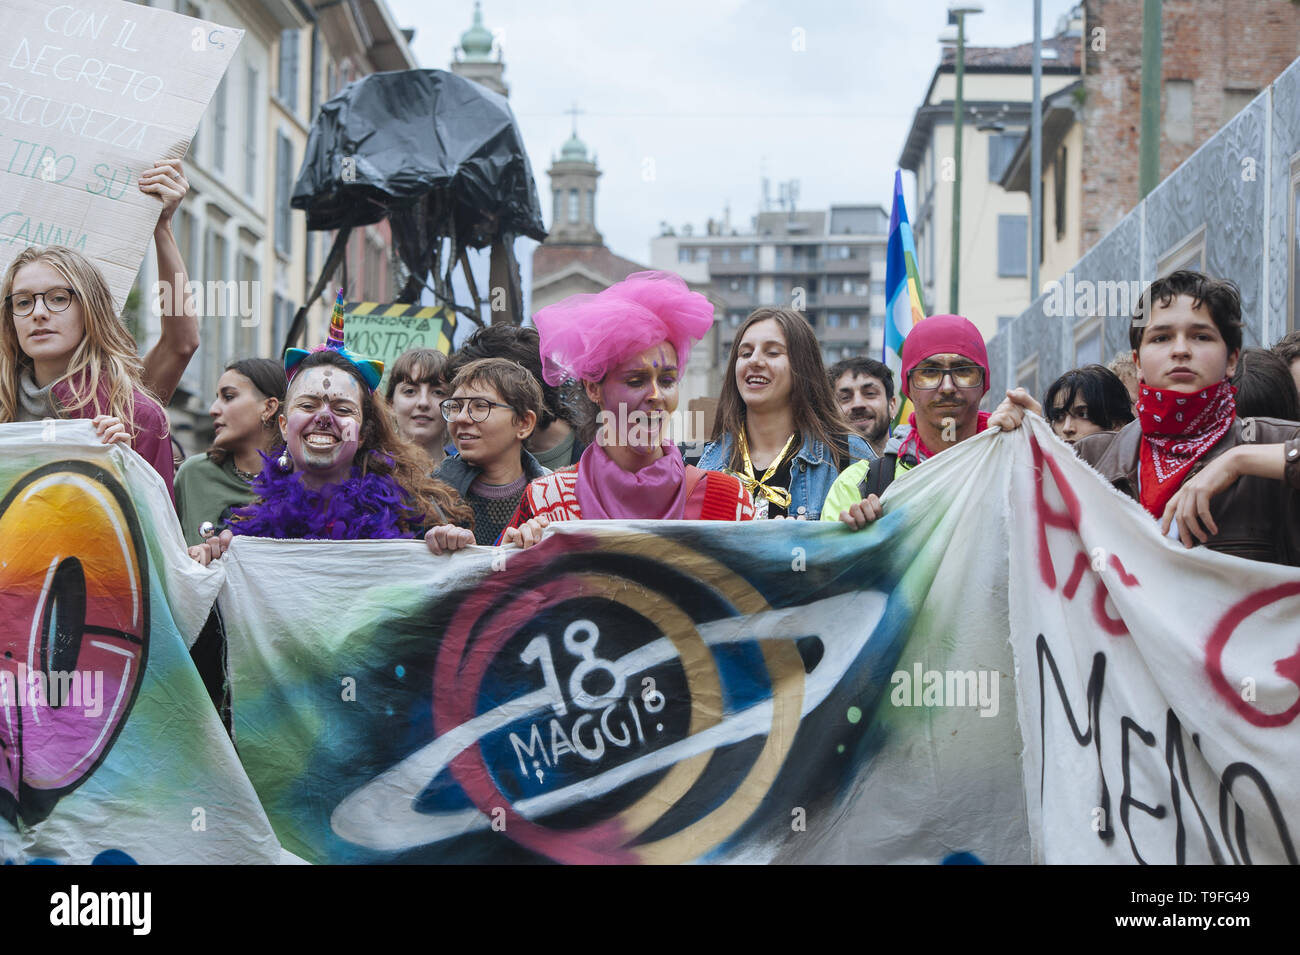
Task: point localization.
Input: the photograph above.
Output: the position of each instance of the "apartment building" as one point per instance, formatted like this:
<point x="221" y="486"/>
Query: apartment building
<point x="829" y="265"/>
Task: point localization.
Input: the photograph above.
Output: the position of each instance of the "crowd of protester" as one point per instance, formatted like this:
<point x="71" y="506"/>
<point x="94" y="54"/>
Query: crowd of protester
<point x="570" y="419"/>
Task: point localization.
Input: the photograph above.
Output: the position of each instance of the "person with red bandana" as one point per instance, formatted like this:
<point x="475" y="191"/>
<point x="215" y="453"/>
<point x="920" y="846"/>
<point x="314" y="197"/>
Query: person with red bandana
<point x="945" y="374"/>
<point x="1208" y="476"/>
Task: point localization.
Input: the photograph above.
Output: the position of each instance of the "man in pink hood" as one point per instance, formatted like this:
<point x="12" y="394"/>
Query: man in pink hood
<point x="946" y="375"/>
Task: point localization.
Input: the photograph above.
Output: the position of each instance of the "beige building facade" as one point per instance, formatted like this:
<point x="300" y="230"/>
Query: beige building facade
<point x="249" y="252"/>
<point x="994" y="238"/>
<point x="1062" y="180"/>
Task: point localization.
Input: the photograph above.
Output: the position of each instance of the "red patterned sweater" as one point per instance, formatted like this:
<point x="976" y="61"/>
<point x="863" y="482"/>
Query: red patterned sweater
<point x="710" y="496"/>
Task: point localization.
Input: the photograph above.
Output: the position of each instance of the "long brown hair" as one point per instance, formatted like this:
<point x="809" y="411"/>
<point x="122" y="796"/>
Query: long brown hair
<point x="106" y="353"/>
<point x="266" y="376"/>
<point x="813" y="406"/>
<point x="381" y="450"/>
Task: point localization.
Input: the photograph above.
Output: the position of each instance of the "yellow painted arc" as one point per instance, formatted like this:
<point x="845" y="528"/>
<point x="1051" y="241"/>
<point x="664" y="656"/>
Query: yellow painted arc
<point x="701" y="677"/>
<point x="785" y="668"/>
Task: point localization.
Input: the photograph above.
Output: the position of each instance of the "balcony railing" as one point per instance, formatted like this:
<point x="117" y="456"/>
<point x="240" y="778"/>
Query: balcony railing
<point x="732" y="268"/>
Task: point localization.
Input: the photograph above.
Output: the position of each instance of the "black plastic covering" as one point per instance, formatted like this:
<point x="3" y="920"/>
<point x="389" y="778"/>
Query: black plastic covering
<point x="425" y="146"/>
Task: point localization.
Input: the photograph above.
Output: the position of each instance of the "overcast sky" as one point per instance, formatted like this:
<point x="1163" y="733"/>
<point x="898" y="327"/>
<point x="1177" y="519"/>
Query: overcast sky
<point x="708" y="96"/>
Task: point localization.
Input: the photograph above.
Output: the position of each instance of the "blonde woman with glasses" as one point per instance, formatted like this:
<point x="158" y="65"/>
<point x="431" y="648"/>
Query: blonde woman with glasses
<point x="65" y="354"/>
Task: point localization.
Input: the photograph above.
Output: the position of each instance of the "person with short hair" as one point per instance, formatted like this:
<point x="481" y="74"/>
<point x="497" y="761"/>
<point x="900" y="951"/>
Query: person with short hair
<point x="564" y="424"/>
<point x="1086" y="400"/>
<point x="244" y="414"/>
<point x="864" y="389"/>
<point x="1189" y="460"/>
<point x="417" y="385"/>
<point x="778" y="427"/>
<point x="493" y="408"/>
<point x="1264" y="386"/>
<point x="1288" y="349"/>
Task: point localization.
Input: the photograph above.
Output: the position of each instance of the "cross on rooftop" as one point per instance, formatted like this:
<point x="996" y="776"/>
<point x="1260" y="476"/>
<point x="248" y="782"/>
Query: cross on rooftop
<point x="574" y="111"/>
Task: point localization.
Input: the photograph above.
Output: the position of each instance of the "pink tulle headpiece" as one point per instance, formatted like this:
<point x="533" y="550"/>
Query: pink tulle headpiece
<point x="584" y="336"/>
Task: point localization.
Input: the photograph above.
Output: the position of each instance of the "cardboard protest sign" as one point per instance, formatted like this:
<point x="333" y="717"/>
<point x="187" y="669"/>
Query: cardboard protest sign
<point x="91" y="95"/>
<point x="383" y="331"/>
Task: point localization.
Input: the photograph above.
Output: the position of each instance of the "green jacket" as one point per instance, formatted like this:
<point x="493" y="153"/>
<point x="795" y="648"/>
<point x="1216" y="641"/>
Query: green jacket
<point x="847" y="489"/>
<point x="206" y="491"/>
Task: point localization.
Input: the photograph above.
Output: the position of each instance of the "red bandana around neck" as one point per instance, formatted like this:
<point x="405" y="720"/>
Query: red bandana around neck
<point x="1177" y="429"/>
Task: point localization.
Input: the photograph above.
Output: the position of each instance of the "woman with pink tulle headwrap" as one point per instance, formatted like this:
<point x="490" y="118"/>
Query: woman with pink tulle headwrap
<point x="628" y="346"/>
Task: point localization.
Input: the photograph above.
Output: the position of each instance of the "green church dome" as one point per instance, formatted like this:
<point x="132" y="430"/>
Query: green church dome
<point x="574" y="150"/>
<point x="476" y="42"/>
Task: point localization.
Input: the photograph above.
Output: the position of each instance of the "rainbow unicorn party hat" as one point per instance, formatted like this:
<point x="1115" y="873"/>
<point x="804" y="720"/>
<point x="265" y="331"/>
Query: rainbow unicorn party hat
<point x="370" y="369"/>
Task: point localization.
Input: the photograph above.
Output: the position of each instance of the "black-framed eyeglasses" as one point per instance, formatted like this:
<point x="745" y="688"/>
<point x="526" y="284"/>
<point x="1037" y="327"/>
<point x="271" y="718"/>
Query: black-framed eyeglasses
<point x="479" y="408"/>
<point x="927" y="378"/>
<point x="56" y="300"/>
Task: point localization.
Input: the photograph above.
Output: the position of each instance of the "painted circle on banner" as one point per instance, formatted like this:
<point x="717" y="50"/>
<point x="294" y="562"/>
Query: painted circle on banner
<point x="74" y="598"/>
<point x="641" y="741"/>
<point x="1237" y="618"/>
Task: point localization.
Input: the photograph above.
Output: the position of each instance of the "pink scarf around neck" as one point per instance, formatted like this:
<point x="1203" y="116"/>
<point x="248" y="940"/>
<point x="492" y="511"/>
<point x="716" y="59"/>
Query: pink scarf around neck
<point x="657" y="492"/>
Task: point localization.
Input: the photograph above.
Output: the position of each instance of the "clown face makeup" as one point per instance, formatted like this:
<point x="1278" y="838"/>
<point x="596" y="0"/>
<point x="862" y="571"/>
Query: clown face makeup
<point x="636" y="399"/>
<point x="321" y="425"/>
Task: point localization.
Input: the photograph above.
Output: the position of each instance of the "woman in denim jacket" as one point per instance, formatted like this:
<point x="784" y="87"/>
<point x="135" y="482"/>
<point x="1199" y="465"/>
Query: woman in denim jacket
<point x="778" y="427"/>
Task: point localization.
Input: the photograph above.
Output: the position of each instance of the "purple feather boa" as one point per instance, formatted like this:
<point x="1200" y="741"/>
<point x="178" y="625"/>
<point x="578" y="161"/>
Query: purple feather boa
<point x="364" y="507"/>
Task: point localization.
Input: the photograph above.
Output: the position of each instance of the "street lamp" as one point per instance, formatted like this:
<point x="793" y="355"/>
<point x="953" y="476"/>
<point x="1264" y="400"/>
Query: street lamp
<point x="959" y="9"/>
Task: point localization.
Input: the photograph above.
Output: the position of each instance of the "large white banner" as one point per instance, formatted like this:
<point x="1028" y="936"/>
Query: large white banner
<point x="1157" y="685"/>
<point x="92" y="94"/>
<point x="1011" y="666"/>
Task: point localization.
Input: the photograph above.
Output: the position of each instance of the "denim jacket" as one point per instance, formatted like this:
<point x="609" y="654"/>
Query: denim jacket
<point x="811" y="474"/>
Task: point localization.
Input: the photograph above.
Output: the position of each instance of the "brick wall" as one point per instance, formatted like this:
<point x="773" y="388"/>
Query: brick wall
<point x="1222" y="48"/>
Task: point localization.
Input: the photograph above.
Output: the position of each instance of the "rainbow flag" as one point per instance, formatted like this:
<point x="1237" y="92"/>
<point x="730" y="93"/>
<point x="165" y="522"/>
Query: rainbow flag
<point x="904" y="306"/>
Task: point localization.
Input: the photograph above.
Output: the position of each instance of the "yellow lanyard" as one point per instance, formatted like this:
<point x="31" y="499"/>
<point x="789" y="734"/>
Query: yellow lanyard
<point x="756" y="485"/>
